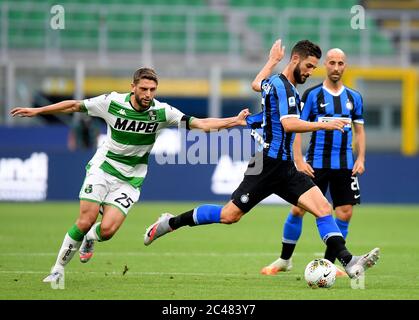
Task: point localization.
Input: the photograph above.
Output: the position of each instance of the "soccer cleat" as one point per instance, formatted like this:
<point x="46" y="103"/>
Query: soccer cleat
<point x="358" y="264"/>
<point x="86" y="250"/>
<point x="277" y="266"/>
<point x="158" y="229"/>
<point x="54" y="276"/>
<point x="340" y="273"/>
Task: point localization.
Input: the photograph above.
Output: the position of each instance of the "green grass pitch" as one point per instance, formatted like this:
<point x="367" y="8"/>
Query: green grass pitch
<point x="208" y="262"/>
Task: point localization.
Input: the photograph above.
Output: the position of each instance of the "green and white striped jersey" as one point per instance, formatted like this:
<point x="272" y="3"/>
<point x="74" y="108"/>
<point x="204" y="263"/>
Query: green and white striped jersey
<point x="130" y="134"/>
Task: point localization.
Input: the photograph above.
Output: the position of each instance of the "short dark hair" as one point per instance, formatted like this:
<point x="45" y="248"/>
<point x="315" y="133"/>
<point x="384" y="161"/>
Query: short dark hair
<point x="305" y="48"/>
<point x="144" y="73"/>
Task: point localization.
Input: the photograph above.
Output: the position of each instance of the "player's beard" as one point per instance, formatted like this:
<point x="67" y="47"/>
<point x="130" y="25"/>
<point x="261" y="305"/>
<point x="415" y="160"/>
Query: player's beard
<point x="141" y="103"/>
<point x="298" y="76"/>
<point x="335" y="79"/>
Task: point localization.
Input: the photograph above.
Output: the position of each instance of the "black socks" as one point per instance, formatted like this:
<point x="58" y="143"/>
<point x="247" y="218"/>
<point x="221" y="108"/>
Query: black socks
<point x="337" y="248"/>
<point x="184" y="219"/>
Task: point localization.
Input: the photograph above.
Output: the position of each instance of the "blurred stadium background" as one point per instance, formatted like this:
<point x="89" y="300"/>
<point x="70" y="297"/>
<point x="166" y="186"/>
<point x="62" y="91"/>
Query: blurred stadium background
<point x="206" y="53"/>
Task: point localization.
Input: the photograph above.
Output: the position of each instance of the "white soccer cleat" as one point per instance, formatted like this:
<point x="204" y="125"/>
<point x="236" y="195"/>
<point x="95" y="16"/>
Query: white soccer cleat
<point x="277" y="266"/>
<point x="54" y="276"/>
<point x="86" y="250"/>
<point x="158" y="228"/>
<point x="358" y="264"/>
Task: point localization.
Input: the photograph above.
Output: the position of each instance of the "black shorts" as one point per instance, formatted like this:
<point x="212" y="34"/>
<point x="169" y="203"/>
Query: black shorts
<point x="343" y="187"/>
<point x="277" y="176"/>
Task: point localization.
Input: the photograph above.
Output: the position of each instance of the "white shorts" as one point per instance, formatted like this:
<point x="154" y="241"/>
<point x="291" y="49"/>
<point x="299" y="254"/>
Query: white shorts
<point x="101" y="187"/>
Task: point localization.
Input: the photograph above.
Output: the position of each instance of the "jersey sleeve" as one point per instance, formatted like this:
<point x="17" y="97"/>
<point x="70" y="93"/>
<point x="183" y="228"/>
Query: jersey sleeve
<point x="358" y="116"/>
<point x="286" y="102"/>
<point x="255" y="121"/>
<point x="97" y="106"/>
<point x="306" y="105"/>
<point x="174" y="116"/>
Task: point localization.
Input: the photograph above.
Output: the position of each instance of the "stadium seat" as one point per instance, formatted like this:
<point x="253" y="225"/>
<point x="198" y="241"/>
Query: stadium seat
<point x="21" y="39"/>
<point x="253" y="3"/>
<point x="170" y="30"/>
<point x="169" y="41"/>
<point x="74" y="39"/>
<point x="123" y="21"/>
<point x="172" y="22"/>
<point x="127" y="40"/>
<point x="213" y="42"/>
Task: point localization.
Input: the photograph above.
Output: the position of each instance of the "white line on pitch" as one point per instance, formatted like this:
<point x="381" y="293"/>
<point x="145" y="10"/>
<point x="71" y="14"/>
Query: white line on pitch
<point x="200" y="274"/>
<point x="169" y="254"/>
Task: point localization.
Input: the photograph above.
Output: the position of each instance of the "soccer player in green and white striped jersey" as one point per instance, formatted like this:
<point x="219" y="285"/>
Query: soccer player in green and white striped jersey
<point x="116" y="172"/>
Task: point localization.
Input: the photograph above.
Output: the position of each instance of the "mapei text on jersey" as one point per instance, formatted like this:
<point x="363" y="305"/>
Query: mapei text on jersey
<point x="135" y="126"/>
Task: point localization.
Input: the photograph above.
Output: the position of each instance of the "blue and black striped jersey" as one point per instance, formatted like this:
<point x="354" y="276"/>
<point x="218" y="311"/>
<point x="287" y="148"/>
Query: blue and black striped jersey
<point x="331" y="149"/>
<point x="280" y="99"/>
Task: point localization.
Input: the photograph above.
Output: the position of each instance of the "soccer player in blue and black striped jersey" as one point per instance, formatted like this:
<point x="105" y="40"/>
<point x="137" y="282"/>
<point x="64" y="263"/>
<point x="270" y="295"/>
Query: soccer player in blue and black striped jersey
<point x="329" y="159"/>
<point x="278" y="175"/>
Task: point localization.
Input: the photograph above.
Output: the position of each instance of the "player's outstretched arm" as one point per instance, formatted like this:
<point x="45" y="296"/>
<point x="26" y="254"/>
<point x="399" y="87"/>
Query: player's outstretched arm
<point x="275" y="55"/>
<point x="293" y="124"/>
<point x="66" y="106"/>
<point x="209" y="124"/>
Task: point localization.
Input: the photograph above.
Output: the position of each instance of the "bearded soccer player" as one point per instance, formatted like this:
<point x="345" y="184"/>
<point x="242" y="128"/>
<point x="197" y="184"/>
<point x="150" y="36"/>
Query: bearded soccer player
<point x="329" y="159"/>
<point x="116" y="172"/>
<point x="280" y="122"/>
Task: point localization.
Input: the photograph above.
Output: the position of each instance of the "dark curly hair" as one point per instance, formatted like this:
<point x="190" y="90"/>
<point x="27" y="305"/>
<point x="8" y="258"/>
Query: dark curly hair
<point x="305" y="48"/>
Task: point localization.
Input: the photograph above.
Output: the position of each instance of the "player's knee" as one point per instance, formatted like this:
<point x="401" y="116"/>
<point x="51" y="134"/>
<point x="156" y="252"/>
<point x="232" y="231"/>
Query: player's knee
<point x="344" y="213"/>
<point x="345" y="216"/>
<point x="297" y="211"/>
<point x="86" y="219"/>
<point x="84" y="223"/>
<point x="325" y="208"/>
<point x="107" y="231"/>
<point x="230" y="213"/>
<point x="230" y="217"/>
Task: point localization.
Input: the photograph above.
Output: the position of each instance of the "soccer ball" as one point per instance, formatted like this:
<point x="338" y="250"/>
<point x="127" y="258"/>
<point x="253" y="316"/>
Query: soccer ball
<point x="320" y="273"/>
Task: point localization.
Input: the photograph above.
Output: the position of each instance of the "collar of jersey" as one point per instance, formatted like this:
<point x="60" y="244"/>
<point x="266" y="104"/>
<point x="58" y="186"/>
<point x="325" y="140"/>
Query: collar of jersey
<point x="337" y="94"/>
<point x="281" y="75"/>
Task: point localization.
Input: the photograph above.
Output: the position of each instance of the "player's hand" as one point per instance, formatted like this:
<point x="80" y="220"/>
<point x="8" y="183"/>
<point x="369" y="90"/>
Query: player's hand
<point x="277" y="51"/>
<point x="304" y="167"/>
<point x="335" y="125"/>
<point x="241" y="117"/>
<point x="24" y="112"/>
<point x="359" y="167"/>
